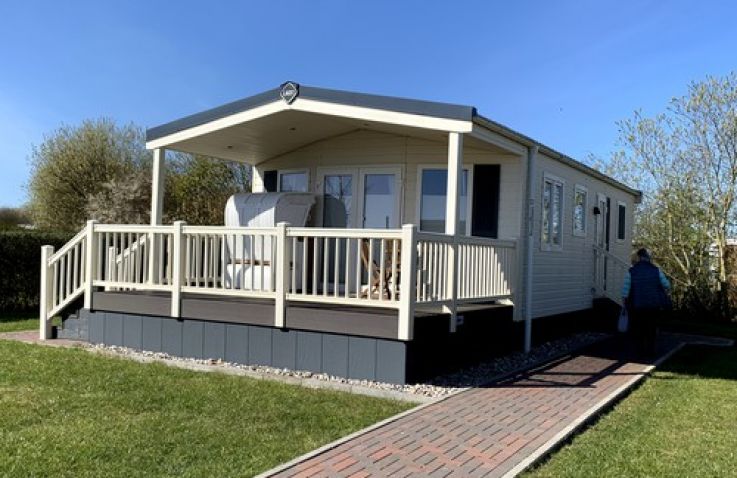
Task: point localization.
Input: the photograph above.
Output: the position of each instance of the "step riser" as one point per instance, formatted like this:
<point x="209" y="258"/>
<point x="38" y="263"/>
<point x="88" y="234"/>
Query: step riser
<point x="75" y="327"/>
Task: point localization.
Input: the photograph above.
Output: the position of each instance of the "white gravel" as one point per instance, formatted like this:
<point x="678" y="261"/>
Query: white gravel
<point x="434" y="389"/>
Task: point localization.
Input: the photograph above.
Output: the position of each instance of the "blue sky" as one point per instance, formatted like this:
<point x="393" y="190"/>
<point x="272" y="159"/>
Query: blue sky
<point x="562" y="72"/>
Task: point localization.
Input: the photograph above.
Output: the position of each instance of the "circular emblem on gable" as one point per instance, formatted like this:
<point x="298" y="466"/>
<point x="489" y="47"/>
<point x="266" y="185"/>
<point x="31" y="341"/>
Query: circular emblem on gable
<point x="289" y="91"/>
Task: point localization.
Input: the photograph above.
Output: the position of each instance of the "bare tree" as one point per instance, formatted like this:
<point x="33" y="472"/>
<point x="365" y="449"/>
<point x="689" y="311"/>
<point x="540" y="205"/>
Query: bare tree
<point x="685" y="162"/>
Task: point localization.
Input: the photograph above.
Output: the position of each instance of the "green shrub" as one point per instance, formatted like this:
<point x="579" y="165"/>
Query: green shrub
<point x="20" y="267"/>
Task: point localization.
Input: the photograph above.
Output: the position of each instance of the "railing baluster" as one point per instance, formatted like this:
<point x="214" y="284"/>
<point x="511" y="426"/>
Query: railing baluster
<point x="336" y="276"/>
<point x="395" y="277"/>
<point x="359" y="252"/>
<point x="325" y="257"/>
<point x="347" y="280"/>
<point x="314" y="265"/>
<point x="293" y="266"/>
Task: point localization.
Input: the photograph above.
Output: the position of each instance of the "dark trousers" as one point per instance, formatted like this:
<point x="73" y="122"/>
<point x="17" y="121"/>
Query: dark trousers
<point x="644" y="328"/>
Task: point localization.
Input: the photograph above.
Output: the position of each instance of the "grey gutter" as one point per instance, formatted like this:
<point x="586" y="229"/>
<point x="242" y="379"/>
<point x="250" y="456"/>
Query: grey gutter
<point x="389" y="103"/>
<point x="548" y="151"/>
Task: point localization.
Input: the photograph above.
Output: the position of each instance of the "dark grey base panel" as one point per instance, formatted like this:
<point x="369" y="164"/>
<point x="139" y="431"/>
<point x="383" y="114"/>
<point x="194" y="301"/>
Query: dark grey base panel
<point x="336" y="354"/>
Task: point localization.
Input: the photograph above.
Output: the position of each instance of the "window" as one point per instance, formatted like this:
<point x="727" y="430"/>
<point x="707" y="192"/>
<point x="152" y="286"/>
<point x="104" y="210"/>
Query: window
<point x="621" y="221"/>
<point x="434" y="187"/>
<point x="580" y="202"/>
<point x="293" y="181"/>
<point x="552" y="213"/>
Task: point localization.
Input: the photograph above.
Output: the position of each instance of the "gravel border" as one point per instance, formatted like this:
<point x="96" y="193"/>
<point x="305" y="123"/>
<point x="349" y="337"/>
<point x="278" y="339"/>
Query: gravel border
<point x="437" y="388"/>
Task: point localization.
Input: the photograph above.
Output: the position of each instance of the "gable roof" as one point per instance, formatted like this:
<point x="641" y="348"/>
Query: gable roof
<point x="365" y="100"/>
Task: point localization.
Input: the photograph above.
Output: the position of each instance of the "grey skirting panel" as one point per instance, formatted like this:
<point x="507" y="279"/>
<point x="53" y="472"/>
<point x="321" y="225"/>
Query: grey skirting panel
<point x="336" y="354"/>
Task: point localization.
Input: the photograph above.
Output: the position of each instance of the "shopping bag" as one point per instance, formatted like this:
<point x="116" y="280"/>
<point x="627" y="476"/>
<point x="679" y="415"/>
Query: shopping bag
<point x="623" y="323"/>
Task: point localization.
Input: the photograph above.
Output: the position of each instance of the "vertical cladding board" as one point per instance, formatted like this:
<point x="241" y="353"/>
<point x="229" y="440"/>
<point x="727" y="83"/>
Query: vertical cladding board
<point x="151" y="331"/>
<point x="259" y="345"/>
<point x="391" y="362"/>
<point x="192" y="338"/>
<point x="284" y="350"/>
<point x="171" y="337"/>
<point x="132" y="331"/>
<point x="213" y="346"/>
<point x="335" y="355"/>
<point x="362" y="358"/>
<point x="236" y="343"/>
<point x="97" y="327"/>
<point x="309" y="351"/>
<point x="113" y="329"/>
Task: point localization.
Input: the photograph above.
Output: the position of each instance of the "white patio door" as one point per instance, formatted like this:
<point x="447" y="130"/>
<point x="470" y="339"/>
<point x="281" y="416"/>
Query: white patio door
<point x="380" y="197"/>
<point x="355" y="198"/>
<point x="364" y="198"/>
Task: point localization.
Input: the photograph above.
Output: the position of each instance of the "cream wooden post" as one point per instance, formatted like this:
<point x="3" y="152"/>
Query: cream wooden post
<point x="158" y="175"/>
<point x="157" y="186"/>
<point x="452" y="208"/>
<point x="281" y="269"/>
<point x="176" y="270"/>
<point x="47" y="283"/>
<point x="89" y="264"/>
<point x="408" y="283"/>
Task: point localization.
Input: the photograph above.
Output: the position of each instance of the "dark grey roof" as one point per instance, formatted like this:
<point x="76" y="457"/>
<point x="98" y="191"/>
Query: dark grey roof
<point x="390" y="103"/>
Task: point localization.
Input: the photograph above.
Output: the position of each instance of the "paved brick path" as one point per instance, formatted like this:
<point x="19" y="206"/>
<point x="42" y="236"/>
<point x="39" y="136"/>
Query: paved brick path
<point x="491" y="431"/>
<point x="31" y="337"/>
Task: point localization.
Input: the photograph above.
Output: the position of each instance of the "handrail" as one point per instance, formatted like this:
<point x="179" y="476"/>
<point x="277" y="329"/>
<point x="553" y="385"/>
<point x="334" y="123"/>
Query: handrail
<point x="63" y="278"/>
<point x="345" y="233"/>
<point x="608" y="274"/>
<point x="608" y="254"/>
<point x="65" y="248"/>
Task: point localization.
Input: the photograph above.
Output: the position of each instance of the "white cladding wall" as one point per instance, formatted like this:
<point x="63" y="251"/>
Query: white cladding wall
<point x="366" y="149"/>
<point x="563" y="279"/>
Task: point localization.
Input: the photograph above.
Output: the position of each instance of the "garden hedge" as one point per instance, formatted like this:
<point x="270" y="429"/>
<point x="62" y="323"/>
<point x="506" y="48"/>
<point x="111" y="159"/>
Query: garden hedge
<point x="20" y="267"/>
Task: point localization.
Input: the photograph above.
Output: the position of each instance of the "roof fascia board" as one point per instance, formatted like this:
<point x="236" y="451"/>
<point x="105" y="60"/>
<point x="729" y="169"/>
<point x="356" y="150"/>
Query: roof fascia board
<point x="316" y="107"/>
<point x="567" y="160"/>
<point x="492" y="137"/>
<point x="218" y="124"/>
<point x="382" y="116"/>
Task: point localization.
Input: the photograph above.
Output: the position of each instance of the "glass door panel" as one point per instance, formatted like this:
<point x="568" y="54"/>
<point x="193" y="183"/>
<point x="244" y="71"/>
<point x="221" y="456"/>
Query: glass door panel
<point x="380" y="201"/>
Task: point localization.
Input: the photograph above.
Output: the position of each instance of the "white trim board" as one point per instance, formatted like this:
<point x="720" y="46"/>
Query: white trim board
<point x="317" y="107"/>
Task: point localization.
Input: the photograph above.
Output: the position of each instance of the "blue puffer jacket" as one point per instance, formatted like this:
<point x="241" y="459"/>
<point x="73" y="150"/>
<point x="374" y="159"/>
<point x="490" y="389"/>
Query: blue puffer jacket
<point x="646" y="291"/>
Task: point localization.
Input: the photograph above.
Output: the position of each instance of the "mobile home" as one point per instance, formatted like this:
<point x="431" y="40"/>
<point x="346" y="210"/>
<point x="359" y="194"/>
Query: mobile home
<point x="378" y="230"/>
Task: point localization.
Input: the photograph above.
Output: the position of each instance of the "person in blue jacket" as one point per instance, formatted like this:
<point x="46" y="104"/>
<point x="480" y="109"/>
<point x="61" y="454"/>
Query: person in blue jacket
<point x="645" y="294"/>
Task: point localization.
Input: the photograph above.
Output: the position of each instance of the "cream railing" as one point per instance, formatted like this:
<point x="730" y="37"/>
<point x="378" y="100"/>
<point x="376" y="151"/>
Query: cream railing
<point x="63" y="278"/>
<point x="485" y="269"/>
<point x="398" y="269"/>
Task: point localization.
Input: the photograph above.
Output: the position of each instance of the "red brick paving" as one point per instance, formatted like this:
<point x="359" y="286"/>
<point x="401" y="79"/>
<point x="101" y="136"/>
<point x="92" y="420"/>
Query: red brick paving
<point x="32" y="337"/>
<point x="484" y="431"/>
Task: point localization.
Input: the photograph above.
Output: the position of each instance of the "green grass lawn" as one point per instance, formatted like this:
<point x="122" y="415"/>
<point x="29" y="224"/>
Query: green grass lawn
<point x="16" y="322"/>
<point x="680" y="422"/>
<point x="66" y="412"/>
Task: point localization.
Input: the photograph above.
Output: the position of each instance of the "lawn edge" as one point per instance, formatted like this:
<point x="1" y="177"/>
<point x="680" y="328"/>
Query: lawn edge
<point x="549" y="446"/>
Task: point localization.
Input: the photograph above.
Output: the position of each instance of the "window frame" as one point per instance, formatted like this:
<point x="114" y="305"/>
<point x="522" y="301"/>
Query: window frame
<point x="554" y="180"/>
<point x="621" y="205"/>
<point x="469" y="191"/>
<point x="281" y="172"/>
<point x="579" y="188"/>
